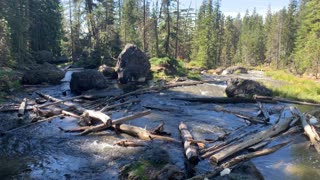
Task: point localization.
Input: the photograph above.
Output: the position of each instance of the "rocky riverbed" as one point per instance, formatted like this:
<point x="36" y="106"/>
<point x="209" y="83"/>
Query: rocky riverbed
<point x="43" y="151"/>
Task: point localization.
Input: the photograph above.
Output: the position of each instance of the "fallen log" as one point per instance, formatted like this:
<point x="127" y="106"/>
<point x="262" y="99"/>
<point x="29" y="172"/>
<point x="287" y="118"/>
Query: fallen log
<point x="219" y="100"/>
<point x="14" y="109"/>
<point x="310" y="132"/>
<point x="252" y="119"/>
<point x="141" y="133"/>
<point x="245" y="157"/>
<point x="264" y="98"/>
<point x="55" y="101"/>
<point x="285" y="119"/>
<point x="78" y="129"/>
<point x="190" y="149"/>
<point x="96" y="115"/>
<point x="213" y="149"/>
<point x="120" y="104"/>
<point x="239" y="159"/>
<point x="230" y="140"/>
<point x="156" y="89"/>
<point x="101" y="127"/>
<point x="31" y="124"/>
<point x="22" y="107"/>
<point x="260" y="145"/>
<point x="127" y="143"/>
<point x="264" y="112"/>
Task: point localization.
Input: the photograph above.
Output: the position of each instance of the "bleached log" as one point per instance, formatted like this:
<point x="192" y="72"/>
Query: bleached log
<point x="190" y="149"/>
<point x="286" y="117"/>
<point x="97" y="115"/>
<point x="22" y="107"/>
<point x="236" y="160"/>
<point x="127" y="143"/>
<point x="101" y="127"/>
<point x="310" y="132"/>
<point x="141" y="133"/>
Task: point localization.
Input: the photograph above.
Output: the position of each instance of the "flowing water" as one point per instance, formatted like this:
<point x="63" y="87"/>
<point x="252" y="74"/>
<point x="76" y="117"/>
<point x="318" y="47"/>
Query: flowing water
<point x="44" y="152"/>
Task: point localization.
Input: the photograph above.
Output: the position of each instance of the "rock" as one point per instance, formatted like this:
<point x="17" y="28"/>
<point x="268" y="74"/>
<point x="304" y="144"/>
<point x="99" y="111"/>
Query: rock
<point x="151" y="163"/>
<point x="86" y="80"/>
<point x="245" y="88"/>
<point x="246" y="170"/>
<point x="42" y="73"/>
<point x="132" y="65"/>
<point x="170" y="172"/>
<point x="219" y="70"/>
<point x="108" y="71"/>
<point x="234" y="70"/>
<point x="43" y="56"/>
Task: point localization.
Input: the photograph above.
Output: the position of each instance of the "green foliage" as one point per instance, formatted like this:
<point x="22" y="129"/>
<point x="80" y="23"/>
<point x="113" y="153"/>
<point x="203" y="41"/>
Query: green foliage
<point x="306" y="53"/>
<point x="172" y="68"/>
<point x="293" y="87"/>
<point x="8" y="80"/>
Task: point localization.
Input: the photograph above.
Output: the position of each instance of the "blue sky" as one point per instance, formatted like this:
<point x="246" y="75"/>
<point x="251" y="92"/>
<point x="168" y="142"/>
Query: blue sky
<point x="233" y="7"/>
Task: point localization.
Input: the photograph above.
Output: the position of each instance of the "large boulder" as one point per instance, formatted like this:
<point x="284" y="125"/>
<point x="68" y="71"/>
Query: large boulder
<point x="86" y="80"/>
<point x="245" y="88"/>
<point x="133" y="65"/>
<point x="42" y="73"/>
<point x="108" y="71"/>
<point x="43" y="56"/>
<point x="234" y="70"/>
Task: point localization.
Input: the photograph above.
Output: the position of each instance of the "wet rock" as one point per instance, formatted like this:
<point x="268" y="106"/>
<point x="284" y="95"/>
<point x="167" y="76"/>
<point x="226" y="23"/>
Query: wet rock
<point x="43" y="56"/>
<point x="42" y="73"/>
<point x="246" y="170"/>
<point x="108" y="71"/>
<point x="170" y="172"/>
<point x="235" y="70"/>
<point x="245" y="88"/>
<point x="150" y="165"/>
<point x="86" y="80"/>
<point x="133" y="65"/>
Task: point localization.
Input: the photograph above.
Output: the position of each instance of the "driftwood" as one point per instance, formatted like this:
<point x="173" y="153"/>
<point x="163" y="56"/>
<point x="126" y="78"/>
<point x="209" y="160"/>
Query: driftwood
<point x="55" y="101"/>
<point x="310" y="132"/>
<point x="96" y="115"/>
<point x="221" y="100"/>
<point x="120" y="104"/>
<point x="236" y="160"/>
<point x="22" y="107"/>
<point x="14" y="109"/>
<point x="78" y="129"/>
<point x="31" y="124"/>
<point x="159" y="130"/>
<point x="252" y="119"/>
<point x="260" y="145"/>
<point x="266" y="98"/>
<point x="127" y="143"/>
<point x="264" y="112"/>
<point x="190" y="149"/>
<point x="156" y="89"/>
<point x="141" y="133"/>
<point x="248" y="156"/>
<point x="213" y="149"/>
<point x="286" y="117"/>
<point x="101" y="127"/>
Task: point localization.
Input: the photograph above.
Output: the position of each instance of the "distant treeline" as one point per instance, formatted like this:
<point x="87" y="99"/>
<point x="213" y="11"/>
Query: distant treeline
<point x="96" y="31"/>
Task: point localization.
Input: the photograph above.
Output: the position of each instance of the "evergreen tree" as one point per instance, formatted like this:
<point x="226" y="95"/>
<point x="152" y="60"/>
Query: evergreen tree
<point x="306" y="52"/>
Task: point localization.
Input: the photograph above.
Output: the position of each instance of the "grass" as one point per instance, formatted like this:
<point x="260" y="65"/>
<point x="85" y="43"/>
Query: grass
<point x="172" y="68"/>
<point x="294" y="87"/>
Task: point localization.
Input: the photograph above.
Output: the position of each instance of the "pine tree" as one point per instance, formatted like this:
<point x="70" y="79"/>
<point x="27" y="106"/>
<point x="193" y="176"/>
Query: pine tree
<point x="306" y="52"/>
